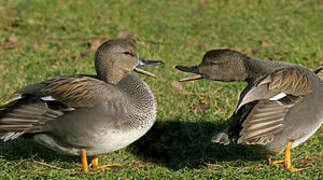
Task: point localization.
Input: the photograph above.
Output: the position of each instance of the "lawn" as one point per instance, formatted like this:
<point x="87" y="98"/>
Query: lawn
<point x="46" y="39"/>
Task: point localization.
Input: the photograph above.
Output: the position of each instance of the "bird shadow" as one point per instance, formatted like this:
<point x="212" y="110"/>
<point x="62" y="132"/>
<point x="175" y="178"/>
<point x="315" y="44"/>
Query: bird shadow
<point x="28" y="149"/>
<point x="178" y="144"/>
<point x="174" y="144"/>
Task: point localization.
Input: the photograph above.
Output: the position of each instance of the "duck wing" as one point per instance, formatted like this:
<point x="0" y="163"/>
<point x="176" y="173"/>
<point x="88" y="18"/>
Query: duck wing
<point x="32" y="106"/>
<point x="288" y="81"/>
<point x="319" y="71"/>
<point x="275" y="94"/>
<point x="77" y="91"/>
<point x="264" y="121"/>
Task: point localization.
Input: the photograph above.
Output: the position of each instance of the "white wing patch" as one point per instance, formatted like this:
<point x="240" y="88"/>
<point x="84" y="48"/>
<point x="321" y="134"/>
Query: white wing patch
<point x="278" y="96"/>
<point x="48" y="98"/>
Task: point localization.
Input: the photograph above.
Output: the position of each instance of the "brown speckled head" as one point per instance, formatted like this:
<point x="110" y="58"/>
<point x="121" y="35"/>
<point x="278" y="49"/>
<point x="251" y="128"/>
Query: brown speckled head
<point x="224" y="65"/>
<point x="115" y="58"/>
<point x="219" y="65"/>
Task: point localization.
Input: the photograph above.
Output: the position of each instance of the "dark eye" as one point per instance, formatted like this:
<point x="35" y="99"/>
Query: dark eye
<point x="128" y="53"/>
<point x="215" y="63"/>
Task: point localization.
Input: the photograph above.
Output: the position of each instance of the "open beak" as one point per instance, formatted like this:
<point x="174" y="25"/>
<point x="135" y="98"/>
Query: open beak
<point x="144" y="62"/>
<point x="191" y="69"/>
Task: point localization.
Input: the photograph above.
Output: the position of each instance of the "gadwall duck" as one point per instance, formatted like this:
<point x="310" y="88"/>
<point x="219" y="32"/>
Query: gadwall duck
<point x="86" y="114"/>
<point x="281" y="107"/>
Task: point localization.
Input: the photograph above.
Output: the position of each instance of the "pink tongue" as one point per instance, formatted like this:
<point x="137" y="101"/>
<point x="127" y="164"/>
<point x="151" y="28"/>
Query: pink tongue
<point x="144" y="72"/>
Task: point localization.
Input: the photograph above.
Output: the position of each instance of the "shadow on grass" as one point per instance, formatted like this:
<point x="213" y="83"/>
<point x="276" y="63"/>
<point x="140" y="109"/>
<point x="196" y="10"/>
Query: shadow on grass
<point x="178" y="144"/>
<point x="26" y="149"/>
<point x="175" y="144"/>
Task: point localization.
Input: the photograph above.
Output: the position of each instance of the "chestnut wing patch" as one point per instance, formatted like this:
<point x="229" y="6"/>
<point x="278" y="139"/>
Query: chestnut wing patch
<point x="74" y="91"/>
<point x="288" y="81"/>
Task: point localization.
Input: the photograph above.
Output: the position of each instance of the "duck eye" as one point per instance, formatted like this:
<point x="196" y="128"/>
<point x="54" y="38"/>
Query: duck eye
<point x="128" y="53"/>
<point x="215" y="63"/>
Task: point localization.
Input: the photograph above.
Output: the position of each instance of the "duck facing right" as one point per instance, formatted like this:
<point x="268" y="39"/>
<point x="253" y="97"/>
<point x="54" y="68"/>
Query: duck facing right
<point x="281" y="107"/>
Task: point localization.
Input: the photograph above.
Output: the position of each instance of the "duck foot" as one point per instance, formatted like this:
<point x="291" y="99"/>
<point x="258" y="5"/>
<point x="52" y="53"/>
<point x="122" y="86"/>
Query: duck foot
<point x="294" y="169"/>
<point x="287" y="161"/>
<point x="95" y="164"/>
<point x="272" y="162"/>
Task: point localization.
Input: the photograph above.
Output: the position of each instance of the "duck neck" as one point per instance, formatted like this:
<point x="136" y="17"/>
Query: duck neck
<point x="141" y="103"/>
<point x="107" y="70"/>
<point x="139" y="93"/>
<point x="112" y="77"/>
<point x="256" y="68"/>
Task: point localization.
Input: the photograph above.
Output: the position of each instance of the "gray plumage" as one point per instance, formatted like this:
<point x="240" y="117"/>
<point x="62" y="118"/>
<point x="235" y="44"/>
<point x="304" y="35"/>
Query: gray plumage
<point x="97" y="114"/>
<point x="261" y="121"/>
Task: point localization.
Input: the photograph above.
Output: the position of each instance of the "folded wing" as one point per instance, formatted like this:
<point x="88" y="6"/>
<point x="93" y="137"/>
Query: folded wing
<point x="32" y="106"/>
<point x="275" y="94"/>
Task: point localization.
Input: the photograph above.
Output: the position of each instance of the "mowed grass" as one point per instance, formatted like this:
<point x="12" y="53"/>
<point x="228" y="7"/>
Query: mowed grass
<point x="46" y="39"/>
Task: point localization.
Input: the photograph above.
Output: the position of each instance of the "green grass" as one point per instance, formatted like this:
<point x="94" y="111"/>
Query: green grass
<point x="45" y="39"/>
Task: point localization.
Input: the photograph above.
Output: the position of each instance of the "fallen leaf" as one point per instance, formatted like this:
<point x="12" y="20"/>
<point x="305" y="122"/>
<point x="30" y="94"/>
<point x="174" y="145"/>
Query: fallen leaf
<point x="84" y="54"/>
<point x="201" y="107"/>
<point x="124" y="35"/>
<point x="81" y="55"/>
<point x="262" y="45"/>
<point x="95" y="44"/>
<point x="203" y="3"/>
<point x="179" y="88"/>
<point x="10" y="42"/>
<point x="190" y="42"/>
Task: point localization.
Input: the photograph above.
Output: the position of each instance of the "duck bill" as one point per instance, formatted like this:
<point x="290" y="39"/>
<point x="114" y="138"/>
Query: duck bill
<point x="138" y="70"/>
<point x="193" y="78"/>
<point x="144" y="62"/>
<point x="191" y="69"/>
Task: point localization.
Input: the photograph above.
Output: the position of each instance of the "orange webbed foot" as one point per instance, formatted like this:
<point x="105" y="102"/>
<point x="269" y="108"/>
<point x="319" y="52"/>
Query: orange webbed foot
<point x="272" y="162"/>
<point x="95" y="164"/>
<point x="287" y="161"/>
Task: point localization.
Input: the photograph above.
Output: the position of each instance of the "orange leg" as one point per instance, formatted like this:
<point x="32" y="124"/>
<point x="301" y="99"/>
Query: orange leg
<point x="84" y="162"/>
<point x="274" y="162"/>
<point x="95" y="164"/>
<point x="288" y="163"/>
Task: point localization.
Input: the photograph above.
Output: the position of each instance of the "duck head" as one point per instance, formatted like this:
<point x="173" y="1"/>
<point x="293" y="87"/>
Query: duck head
<point x="219" y="65"/>
<point x="115" y="58"/>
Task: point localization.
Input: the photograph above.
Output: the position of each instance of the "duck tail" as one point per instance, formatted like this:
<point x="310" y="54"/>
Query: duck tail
<point x="12" y="101"/>
<point x="5" y="135"/>
<point x="24" y="115"/>
<point x="319" y="71"/>
<point x="222" y="137"/>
